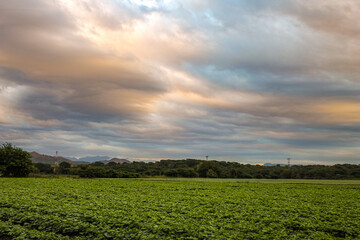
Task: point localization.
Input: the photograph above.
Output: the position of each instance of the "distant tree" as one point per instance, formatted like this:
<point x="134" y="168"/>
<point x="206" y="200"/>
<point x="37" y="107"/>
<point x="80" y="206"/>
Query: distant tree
<point x="14" y="162"/>
<point x="44" y="168"/>
<point x="187" y="172"/>
<point x="171" y="173"/>
<point x="214" y="169"/>
<point x="152" y="172"/>
<point x="93" y="172"/>
<point x="211" y="174"/>
<point x="65" y="165"/>
<point x="97" y="164"/>
<point x="112" y="164"/>
<point x="64" y="168"/>
<point x="204" y="167"/>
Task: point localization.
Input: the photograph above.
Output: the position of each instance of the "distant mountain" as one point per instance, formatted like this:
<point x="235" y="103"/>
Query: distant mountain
<point x="116" y="160"/>
<point x="71" y="158"/>
<point x="89" y="158"/>
<point x="42" y="158"/>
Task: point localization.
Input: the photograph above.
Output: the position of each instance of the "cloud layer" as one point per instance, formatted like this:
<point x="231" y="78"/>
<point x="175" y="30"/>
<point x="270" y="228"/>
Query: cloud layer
<point x="249" y="81"/>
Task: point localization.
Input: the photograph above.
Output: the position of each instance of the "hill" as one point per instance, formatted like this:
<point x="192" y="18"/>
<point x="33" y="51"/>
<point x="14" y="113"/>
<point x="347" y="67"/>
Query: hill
<point x="89" y="158"/>
<point x="42" y="158"/>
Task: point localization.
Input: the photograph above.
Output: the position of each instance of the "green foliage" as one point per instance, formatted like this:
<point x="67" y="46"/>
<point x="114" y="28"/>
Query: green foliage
<point x="211" y="174"/>
<point x="97" y="164"/>
<point x="190" y="168"/>
<point x="208" y="169"/>
<point x="112" y="164"/>
<point x="14" y="162"/>
<point x="193" y="209"/>
<point x="43" y="168"/>
<point x="64" y="168"/>
<point x="65" y="165"/>
<point x="181" y="172"/>
<point x="102" y="172"/>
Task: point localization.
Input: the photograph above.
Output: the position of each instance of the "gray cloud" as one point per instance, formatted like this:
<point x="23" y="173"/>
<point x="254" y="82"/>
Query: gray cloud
<point x="251" y="81"/>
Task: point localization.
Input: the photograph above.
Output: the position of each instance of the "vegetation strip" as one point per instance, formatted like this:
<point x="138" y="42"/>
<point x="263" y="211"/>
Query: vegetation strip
<point x="33" y="208"/>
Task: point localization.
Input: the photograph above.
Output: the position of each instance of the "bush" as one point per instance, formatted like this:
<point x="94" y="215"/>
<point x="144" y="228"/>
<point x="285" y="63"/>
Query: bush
<point x="14" y="162"/>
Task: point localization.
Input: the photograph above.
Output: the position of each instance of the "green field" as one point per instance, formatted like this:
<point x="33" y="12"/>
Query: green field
<point x="32" y="208"/>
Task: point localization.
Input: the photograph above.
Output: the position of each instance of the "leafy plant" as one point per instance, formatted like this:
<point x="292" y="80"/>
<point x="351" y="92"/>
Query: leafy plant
<point x="34" y="208"/>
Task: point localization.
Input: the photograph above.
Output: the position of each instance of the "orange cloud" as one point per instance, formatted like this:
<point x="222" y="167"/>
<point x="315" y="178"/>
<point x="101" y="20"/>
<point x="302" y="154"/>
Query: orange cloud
<point x="339" y="112"/>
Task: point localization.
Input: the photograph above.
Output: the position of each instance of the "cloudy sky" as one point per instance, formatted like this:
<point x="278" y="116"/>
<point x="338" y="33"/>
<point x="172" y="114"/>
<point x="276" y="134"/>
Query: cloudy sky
<point x="247" y="81"/>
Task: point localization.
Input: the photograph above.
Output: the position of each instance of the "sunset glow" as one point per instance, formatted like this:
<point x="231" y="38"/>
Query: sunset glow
<point x="246" y="81"/>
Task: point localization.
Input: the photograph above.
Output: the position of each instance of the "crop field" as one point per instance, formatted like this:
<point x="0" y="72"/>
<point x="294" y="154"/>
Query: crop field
<point x="34" y="208"/>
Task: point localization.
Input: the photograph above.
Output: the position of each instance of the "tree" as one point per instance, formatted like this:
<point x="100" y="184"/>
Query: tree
<point x="112" y="164"/>
<point x="97" y="164"/>
<point x="211" y="174"/>
<point x="65" y="165"/>
<point x="205" y="166"/>
<point x="14" y="162"/>
<point x="64" y="168"/>
<point x="44" y="168"/>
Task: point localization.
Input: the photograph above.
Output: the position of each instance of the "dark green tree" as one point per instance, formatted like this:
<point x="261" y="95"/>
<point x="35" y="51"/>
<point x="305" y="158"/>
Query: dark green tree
<point x="44" y="168"/>
<point x="64" y="168"/>
<point x="97" y="164"/>
<point x="211" y="174"/>
<point x="65" y="165"/>
<point x="111" y="164"/>
<point x="14" y="162"/>
<point x="205" y="166"/>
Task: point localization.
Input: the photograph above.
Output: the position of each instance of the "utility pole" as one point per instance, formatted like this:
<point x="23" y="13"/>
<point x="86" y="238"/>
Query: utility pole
<point x="56" y="162"/>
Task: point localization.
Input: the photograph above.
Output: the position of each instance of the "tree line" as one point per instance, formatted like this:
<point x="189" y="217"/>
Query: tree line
<point x="14" y="162"/>
<point x="191" y="168"/>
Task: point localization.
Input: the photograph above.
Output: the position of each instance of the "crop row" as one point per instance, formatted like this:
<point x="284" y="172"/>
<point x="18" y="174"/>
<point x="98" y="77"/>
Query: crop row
<point x="134" y="209"/>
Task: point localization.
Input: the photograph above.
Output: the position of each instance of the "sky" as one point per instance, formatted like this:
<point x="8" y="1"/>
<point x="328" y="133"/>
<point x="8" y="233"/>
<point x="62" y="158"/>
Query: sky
<point x="242" y="80"/>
